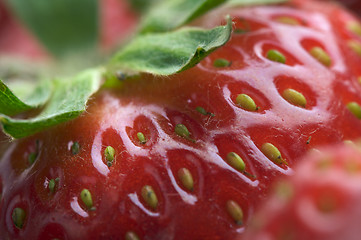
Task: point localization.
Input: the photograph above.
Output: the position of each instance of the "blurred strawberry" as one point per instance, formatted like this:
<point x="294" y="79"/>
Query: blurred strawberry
<point x="320" y="201"/>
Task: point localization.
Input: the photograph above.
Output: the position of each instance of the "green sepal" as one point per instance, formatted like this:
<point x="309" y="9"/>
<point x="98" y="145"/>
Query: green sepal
<point x="171" y="52"/>
<point x="67" y="101"/>
<point x="12" y="104"/>
<point x="254" y="2"/>
<point x="63" y="26"/>
<point x="169" y="15"/>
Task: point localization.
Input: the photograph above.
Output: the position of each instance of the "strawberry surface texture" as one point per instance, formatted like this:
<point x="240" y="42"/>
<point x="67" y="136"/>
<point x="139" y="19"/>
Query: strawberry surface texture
<point x="318" y="202"/>
<point x="192" y="155"/>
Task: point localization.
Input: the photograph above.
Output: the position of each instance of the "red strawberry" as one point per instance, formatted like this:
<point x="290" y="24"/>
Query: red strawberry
<point x="192" y="155"/>
<point x="319" y="202"/>
<point x="116" y="21"/>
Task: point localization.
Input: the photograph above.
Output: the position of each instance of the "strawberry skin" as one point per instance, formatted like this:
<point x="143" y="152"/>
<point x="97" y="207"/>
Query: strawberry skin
<point x="192" y="155"/>
<point x="319" y="202"/>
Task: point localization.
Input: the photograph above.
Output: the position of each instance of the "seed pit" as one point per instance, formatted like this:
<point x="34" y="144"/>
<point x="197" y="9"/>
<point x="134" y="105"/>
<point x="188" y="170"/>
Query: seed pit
<point x="143" y="132"/>
<point x="149" y="196"/>
<point x="111" y="148"/>
<point x="184" y="166"/>
<point x="275" y="53"/>
<point x="183" y="127"/>
<point x="283" y="83"/>
<point x="317" y="51"/>
<point x="225" y="58"/>
<point x="244" y="25"/>
<point x="354" y="27"/>
<point x="236" y="155"/>
<point x="289" y="20"/>
<point x="258" y="103"/>
<point x="19" y="217"/>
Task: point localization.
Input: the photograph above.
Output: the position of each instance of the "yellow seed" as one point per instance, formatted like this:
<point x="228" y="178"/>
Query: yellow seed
<point x="352" y="166"/>
<point x="246" y="102"/>
<point x="235" y="211"/>
<point x="141" y="138"/>
<point x="131" y="236"/>
<point x="349" y="143"/>
<point x="355" y="109"/>
<point x="354" y="27"/>
<point x="182" y="131"/>
<point x="284" y="190"/>
<point x="320" y="55"/>
<point x="52" y="184"/>
<point x="186" y="178"/>
<point x="221" y="62"/>
<point x="109" y="153"/>
<point x="325" y="163"/>
<point x="270" y="151"/>
<point x="294" y="97"/>
<point x="150" y="197"/>
<point x="359" y="80"/>
<point x="326" y="203"/>
<point x="86" y="198"/>
<point x="355" y="46"/>
<point x="18" y="217"/>
<point x="288" y="20"/>
<point x="75" y="148"/>
<point x="236" y="161"/>
<point x="276" y="56"/>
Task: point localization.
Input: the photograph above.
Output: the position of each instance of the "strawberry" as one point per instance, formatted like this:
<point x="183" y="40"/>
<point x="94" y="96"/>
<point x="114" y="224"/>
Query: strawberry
<point x="116" y="21"/>
<point x="192" y="155"/>
<point x="318" y="202"/>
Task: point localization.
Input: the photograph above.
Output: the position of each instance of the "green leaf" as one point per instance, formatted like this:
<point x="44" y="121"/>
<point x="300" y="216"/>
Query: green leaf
<point x="142" y="5"/>
<point x="63" y="26"/>
<point x="168" y="15"/>
<point x="67" y="102"/>
<point x="11" y="104"/>
<point x="254" y="2"/>
<point x="172" y="52"/>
